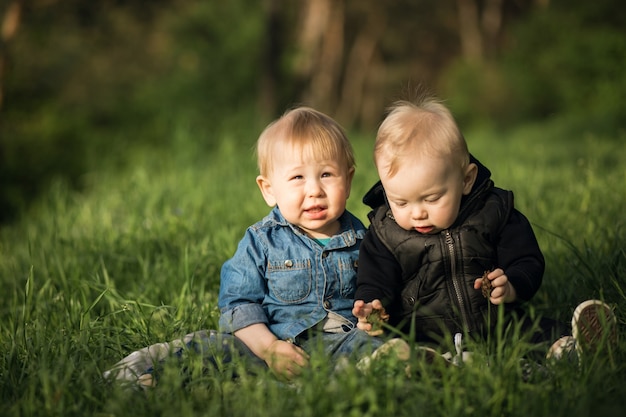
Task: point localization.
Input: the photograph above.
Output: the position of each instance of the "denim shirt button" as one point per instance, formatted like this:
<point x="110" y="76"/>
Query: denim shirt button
<point x="288" y="263"/>
<point x="324" y="255"/>
<point x="327" y="305"/>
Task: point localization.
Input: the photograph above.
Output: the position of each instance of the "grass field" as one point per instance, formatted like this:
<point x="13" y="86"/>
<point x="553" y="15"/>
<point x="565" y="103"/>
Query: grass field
<point x="134" y="259"/>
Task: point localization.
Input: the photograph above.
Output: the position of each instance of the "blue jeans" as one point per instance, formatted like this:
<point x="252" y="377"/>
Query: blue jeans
<point x="217" y="349"/>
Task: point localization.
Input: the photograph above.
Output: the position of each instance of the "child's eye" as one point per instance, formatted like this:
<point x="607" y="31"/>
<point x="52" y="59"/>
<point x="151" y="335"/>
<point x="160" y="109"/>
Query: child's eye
<point x="327" y="174"/>
<point x="297" y="177"/>
<point x="400" y="203"/>
<point x="433" y="199"/>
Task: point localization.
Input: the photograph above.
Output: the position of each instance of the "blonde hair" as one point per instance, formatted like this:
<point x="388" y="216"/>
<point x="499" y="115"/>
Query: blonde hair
<point x="316" y="134"/>
<point x="416" y="129"/>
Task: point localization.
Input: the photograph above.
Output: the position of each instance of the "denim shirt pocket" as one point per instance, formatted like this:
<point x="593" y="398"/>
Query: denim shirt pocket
<point x="290" y="280"/>
<point x="347" y="269"/>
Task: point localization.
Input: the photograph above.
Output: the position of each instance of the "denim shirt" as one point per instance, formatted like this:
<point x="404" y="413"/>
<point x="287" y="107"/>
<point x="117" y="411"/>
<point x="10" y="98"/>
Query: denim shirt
<point x="284" y="279"/>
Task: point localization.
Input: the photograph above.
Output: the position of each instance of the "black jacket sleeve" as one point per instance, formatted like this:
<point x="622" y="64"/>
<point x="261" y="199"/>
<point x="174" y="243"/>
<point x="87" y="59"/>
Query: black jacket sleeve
<point x="379" y="275"/>
<point x="520" y="257"/>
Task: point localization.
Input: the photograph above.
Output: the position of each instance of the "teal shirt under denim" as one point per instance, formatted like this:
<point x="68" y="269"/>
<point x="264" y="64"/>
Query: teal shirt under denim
<point x="284" y="279"/>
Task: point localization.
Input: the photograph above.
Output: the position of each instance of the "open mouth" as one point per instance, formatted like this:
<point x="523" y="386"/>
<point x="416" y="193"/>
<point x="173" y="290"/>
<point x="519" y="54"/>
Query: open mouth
<point x="315" y="212"/>
<point x="425" y="230"/>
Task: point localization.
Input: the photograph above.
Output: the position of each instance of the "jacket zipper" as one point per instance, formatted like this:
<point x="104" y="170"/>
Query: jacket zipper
<point x="455" y="279"/>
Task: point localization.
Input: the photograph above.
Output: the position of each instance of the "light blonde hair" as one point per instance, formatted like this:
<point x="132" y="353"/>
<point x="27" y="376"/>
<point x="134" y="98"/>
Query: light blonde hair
<point x="317" y="135"/>
<point x="416" y="129"/>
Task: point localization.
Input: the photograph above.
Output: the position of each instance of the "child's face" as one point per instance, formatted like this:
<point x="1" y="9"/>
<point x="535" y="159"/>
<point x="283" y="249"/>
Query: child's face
<point x="425" y="195"/>
<point x="310" y="194"/>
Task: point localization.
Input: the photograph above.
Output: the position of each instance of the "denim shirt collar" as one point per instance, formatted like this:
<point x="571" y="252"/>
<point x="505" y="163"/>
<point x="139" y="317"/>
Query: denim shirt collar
<point x="346" y="237"/>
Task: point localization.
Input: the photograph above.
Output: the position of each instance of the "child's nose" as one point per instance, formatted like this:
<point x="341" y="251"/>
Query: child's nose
<point x="418" y="213"/>
<point x="314" y="188"/>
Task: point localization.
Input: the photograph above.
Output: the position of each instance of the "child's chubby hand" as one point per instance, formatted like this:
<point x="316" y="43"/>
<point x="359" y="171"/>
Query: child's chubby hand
<point x="502" y="291"/>
<point x="370" y="316"/>
<point x="286" y="359"/>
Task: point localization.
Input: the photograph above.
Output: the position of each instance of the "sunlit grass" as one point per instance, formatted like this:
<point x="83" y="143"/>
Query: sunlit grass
<point x="134" y="259"/>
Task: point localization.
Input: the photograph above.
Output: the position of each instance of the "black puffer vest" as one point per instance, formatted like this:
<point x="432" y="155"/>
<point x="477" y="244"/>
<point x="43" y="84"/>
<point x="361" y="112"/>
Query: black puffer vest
<point x="438" y="271"/>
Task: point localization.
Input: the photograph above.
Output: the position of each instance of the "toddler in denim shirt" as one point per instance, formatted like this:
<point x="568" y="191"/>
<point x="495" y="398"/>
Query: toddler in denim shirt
<point x="290" y="285"/>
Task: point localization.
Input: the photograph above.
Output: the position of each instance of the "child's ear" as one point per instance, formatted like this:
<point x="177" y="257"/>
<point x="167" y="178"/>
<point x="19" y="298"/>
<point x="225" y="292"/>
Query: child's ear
<point x="469" y="178"/>
<point x="266" y="189"/>
<point x="350" y="177"/>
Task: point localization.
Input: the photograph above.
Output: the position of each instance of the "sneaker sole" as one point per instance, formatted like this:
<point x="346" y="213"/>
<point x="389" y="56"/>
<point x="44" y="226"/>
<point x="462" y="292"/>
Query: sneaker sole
<point x="593" y="325"/>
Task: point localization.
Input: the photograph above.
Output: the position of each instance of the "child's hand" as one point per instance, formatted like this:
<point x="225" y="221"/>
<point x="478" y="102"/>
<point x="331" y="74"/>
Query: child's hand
<point x="370" y="316"/>
<point x="502" y="291"/>
<point x="285" y="359"/>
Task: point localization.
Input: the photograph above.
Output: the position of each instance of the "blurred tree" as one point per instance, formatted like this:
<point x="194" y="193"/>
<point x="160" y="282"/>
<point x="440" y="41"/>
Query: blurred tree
<point x="90" y="80"/>
<point x="8" y="28"/>
<point x="271" y="57"/>
<point x="469" y="30"/>
<point x="479" y="31"/>
<point x="320" y="46"/>
<point x="362" y="90"/>
<point x="338" y="57"/>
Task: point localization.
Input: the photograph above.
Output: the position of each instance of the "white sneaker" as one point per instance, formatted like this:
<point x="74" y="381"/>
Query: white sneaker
<point x="593" y="326"/>
<point x="146" y="381"/>
<point x="397" y="348"/>
<point x="563" y="348"/>
<point x="401" y="351"/>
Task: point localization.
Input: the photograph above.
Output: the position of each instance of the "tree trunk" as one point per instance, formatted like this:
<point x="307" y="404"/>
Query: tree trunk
<point x="321" y="44"/>
<point x="10" y="24"/>
<point x="357" y="71"/>
<point x="492" y="23"/>
<point x="271" y="58"/>
<point x="469" y="31"/>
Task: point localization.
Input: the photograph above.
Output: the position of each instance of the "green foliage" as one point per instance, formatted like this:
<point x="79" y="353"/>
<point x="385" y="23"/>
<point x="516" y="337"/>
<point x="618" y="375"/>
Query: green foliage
<point x="563" y="61"/>
<point x="478" y="94"/>
<point x="134" y="259"/>
<point x="117" y="77"/>
<point x="571" y="61"/>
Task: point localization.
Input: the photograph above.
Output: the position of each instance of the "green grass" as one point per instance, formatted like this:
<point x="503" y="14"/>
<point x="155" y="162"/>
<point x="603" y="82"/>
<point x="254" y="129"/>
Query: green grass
<point x="134" y="259"/>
